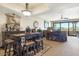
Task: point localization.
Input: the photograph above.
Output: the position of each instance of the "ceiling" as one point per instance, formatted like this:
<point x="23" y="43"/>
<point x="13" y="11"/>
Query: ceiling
<point x="35" y="8"/>
<point x="62" y="6"/>
<point x="39" y="8"/>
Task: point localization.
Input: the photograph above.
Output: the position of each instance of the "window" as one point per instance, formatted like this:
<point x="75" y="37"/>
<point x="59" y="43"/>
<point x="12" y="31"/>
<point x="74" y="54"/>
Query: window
<point x="64" y="26"/>
<point x="46" y="24"/>
<point x="57" y="26"/>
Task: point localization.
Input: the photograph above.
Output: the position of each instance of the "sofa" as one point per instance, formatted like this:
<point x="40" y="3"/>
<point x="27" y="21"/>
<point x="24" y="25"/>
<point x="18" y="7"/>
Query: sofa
<point x="57" y="36"/>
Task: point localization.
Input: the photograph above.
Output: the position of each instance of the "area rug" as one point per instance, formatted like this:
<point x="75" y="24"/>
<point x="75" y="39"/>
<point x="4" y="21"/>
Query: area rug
<point x="42" y="52"/>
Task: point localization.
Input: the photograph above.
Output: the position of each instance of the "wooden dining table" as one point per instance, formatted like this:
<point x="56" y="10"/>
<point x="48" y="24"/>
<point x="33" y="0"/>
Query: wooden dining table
<point x="17" y="43"/>
<point x="17" y="37"/>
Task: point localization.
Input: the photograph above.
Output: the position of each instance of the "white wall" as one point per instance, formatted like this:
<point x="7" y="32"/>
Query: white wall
<point x="70" y="13"/>
<point x="2" y="22"/>
<point x="28" y="21"/>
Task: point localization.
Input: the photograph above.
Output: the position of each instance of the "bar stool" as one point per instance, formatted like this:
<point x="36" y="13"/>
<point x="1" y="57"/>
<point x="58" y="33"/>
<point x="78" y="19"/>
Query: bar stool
<point x="28" y="46"/>
<point x="39" y="43"/>
<point x="8" y="45"/>
<point x="18" y="47"/>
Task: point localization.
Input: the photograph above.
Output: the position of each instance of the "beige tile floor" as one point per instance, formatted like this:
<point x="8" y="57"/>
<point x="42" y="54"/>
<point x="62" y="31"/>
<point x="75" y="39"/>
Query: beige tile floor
<point x="69" y="48"/>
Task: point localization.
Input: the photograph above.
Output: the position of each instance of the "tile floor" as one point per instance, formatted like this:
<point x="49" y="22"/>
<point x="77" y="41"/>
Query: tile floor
<point x="69" y="48"/>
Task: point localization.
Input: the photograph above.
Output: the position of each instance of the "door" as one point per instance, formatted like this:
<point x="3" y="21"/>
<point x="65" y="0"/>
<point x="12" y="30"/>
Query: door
<point x="72" y="28"/>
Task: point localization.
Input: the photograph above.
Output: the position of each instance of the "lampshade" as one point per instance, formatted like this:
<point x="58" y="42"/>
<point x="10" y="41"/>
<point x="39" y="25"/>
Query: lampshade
<point x="27" y="13"/>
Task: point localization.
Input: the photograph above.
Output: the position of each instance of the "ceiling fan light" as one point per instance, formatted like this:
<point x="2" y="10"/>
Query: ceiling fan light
<point x="27" y="13"/>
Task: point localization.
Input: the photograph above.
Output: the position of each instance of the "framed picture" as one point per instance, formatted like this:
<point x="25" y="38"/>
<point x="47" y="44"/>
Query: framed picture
<point x="46" y="24"/>
<point x="13" y="23"/>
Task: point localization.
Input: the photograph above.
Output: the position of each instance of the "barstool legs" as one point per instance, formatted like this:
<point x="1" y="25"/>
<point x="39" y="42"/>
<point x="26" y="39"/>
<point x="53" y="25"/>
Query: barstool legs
<point x="9" y="50"/>
<point x="5" y="50"/>
<point x="42" y="44"/>
<point x="8" y="47"/>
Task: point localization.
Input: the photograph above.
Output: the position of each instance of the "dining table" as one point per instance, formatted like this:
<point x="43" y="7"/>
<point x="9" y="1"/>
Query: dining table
<point x="19" y="37"/>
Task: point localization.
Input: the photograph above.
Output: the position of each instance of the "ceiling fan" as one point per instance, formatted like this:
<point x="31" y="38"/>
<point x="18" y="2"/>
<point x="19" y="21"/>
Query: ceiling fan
<point x="27" y="12"/>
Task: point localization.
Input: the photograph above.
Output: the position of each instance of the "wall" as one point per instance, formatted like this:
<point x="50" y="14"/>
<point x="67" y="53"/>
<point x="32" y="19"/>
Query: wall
<point x="28" y="21"/>
<point x="2" y="22"/>
<point x="70" y="13"/>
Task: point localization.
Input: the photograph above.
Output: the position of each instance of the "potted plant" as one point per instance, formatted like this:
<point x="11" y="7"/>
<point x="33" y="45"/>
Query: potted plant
<point x="39" y="30"/>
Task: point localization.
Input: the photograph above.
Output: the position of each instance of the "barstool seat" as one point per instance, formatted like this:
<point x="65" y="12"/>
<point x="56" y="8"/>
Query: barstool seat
<point x="38" y="40"/>
<point x="29" y="43"/>
<point x="39" y="44"/>
<point x="7" y="41"/>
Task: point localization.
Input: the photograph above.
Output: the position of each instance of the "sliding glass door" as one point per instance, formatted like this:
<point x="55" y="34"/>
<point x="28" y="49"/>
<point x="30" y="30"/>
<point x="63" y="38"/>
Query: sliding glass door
<point x="72" y="29"/>
<point x="77" y="26"/>
<point x="57" y="26"/>
<point x="64" y="27"/>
